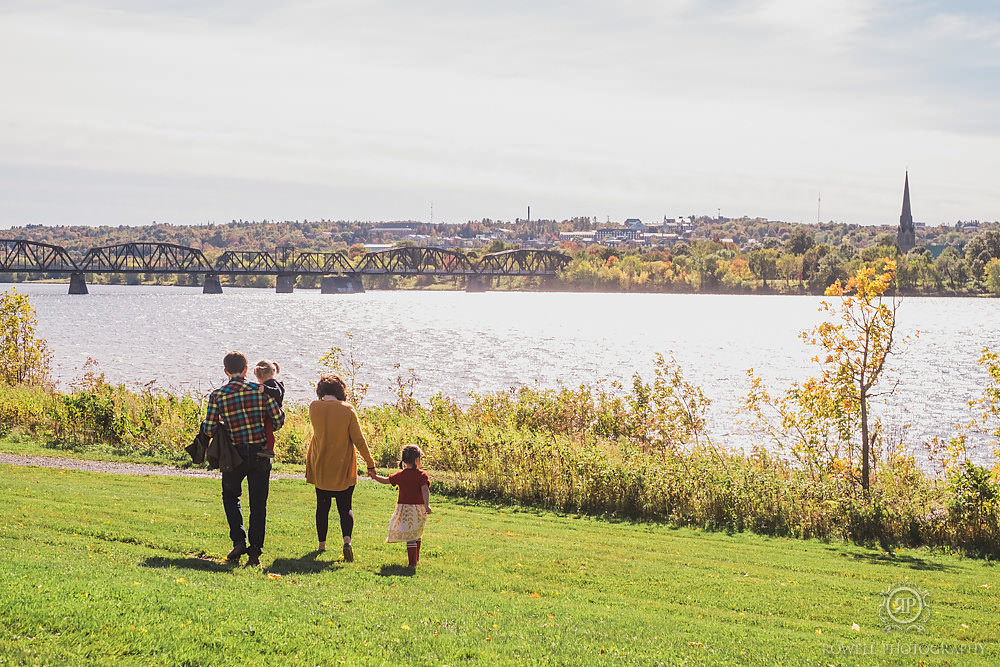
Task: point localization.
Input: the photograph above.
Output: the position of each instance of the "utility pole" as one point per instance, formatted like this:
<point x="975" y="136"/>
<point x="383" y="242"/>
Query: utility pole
<point x="819" y="201"/>
<point x="432" y="213"/>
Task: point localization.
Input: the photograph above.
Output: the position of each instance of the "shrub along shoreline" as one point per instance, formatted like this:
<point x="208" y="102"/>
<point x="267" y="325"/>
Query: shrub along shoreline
<point x="593" y="449"/>
<point x="638" y="453"/>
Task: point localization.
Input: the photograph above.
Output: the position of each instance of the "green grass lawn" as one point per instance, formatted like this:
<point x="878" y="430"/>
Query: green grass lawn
<point x="105" y="569"/>
<point x="31" y="446"/>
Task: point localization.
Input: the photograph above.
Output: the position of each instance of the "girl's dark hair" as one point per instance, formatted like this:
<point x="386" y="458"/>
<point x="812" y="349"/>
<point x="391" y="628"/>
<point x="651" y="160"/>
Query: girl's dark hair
<point x="410" y="454"/>
<point x="331" y="385"/>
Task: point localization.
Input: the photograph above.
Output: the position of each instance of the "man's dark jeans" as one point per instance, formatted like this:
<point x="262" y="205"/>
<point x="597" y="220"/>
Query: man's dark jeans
<point x="257" y="471"/>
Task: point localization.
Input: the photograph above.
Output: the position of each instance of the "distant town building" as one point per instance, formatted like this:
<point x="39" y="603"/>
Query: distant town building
<point x="906" y="236"/>
<point x="618" y="234"/>
<point x="636" y="223"/>
<point x="578" y="237"/>
<point x="680" y="225"/>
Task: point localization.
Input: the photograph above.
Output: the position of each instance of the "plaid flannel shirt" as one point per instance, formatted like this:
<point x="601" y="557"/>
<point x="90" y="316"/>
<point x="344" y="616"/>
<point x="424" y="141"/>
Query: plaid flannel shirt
<point x="241" y="406"/>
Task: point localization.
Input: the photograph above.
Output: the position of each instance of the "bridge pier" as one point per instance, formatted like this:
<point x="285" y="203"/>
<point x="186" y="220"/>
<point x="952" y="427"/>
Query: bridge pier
<point x="341" y="285"/>
<point x="285" y="284"/>
<point x="477" y="284"/>
<point x="77" y="283"/>
<point x="212" y="284"/>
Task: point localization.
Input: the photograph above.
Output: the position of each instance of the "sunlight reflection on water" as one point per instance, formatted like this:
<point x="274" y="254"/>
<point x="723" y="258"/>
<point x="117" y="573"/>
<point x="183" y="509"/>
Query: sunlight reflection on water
<point x="458" y="342"/>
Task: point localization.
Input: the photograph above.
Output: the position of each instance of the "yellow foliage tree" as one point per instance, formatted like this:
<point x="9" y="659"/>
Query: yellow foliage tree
<point x="24" y="359"/>
<point x="819" y="419"/>
<point x="856" y="343"/>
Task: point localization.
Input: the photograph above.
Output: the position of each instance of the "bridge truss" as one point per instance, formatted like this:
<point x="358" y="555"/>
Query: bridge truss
<point x="522" y="263"/>
<point x="415" y="261"/>
<point x="145" y="258"/>
<point x="256" y="262"/>
<point x="32" y="256"/>
<point x="323" y="263"/>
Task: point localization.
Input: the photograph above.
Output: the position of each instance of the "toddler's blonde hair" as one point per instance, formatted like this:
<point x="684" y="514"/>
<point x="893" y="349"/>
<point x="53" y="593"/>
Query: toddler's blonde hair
<point x="264" y="370"/>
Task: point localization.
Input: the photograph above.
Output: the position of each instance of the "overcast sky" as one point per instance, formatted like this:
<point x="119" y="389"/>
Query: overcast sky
<point x="190" y="111"/>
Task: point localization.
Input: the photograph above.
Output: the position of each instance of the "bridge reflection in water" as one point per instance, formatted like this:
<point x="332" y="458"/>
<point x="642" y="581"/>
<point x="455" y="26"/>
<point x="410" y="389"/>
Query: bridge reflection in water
<point x="337" y="272"/>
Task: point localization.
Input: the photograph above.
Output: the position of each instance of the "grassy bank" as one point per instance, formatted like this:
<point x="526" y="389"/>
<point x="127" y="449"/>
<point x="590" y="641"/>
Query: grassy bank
<point x="597" y="449"/>
<point x="95" y="573"/>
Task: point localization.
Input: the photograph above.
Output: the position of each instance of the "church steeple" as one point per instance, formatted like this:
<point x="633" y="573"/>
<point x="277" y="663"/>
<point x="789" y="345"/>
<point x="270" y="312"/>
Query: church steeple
<point x="906" y="236"/>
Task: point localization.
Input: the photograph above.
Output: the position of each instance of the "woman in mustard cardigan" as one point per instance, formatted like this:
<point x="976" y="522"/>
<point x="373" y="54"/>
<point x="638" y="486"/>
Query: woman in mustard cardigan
<point x="331" y="464"/>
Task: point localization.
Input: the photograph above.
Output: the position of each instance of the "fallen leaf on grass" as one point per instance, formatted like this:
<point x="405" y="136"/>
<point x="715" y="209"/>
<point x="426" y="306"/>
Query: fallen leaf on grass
<point x="273" y="575"/>
<point x="696" y="644"/>
<point x="855" y="627"/>
<point x="404" y="626"/>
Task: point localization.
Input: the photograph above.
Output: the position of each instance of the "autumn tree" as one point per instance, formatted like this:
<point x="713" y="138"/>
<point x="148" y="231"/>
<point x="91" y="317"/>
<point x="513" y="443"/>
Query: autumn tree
<point x="951" y="264"/>
<point x="981" y="249"/>
<point x="800" y="240"/>
<point x="24" y="359"/>
<point x="818" y="420"/>
<point x="764" y="264"/>
<point x="356" y="251"/>
<point x="992" y="276"/>
<point x="790" y="268"/>
<point x="855" y="344"/>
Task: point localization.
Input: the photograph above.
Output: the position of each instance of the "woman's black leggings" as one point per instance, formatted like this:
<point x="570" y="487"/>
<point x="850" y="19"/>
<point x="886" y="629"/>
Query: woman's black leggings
<point x="343" y="499"/>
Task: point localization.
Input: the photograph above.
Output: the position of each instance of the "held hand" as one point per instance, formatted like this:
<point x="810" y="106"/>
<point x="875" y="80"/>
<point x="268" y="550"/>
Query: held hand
<point x="427" y="509"/>
<point x="372" y="473"/>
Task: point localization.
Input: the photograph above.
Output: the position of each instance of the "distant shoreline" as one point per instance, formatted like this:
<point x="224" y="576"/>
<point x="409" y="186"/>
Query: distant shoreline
<point x="567" y="289"/>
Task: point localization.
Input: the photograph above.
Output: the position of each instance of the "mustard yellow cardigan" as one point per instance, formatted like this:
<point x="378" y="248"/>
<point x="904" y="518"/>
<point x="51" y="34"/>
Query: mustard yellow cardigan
<point x="331" y="464"/>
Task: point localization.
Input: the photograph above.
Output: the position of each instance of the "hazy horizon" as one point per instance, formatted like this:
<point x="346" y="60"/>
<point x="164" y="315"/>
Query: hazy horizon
<point x="125" y="113"/>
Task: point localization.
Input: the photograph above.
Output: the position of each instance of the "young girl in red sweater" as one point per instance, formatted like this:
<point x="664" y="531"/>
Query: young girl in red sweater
<point x="413" y="504"/>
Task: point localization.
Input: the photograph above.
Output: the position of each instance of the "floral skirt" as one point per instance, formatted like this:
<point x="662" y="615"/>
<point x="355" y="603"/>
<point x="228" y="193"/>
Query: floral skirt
<point x="407" y="523"/>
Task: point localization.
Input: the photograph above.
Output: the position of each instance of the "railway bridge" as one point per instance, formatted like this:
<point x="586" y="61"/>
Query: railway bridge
<point x="337" y="272"/>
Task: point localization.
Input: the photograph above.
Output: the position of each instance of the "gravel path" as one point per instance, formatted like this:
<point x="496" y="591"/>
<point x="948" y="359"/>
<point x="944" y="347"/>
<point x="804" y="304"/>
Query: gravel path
<point x="118" y="468"/>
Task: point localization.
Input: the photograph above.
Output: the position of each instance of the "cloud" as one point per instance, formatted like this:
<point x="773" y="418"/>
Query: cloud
<point x="655" y="107"/>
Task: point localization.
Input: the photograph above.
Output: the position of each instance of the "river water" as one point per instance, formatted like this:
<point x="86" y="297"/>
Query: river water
<point x="458" y="342"/>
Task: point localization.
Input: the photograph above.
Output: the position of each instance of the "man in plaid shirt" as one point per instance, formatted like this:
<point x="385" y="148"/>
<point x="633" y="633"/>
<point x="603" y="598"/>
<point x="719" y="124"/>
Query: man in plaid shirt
<point x="240" y="407"/>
